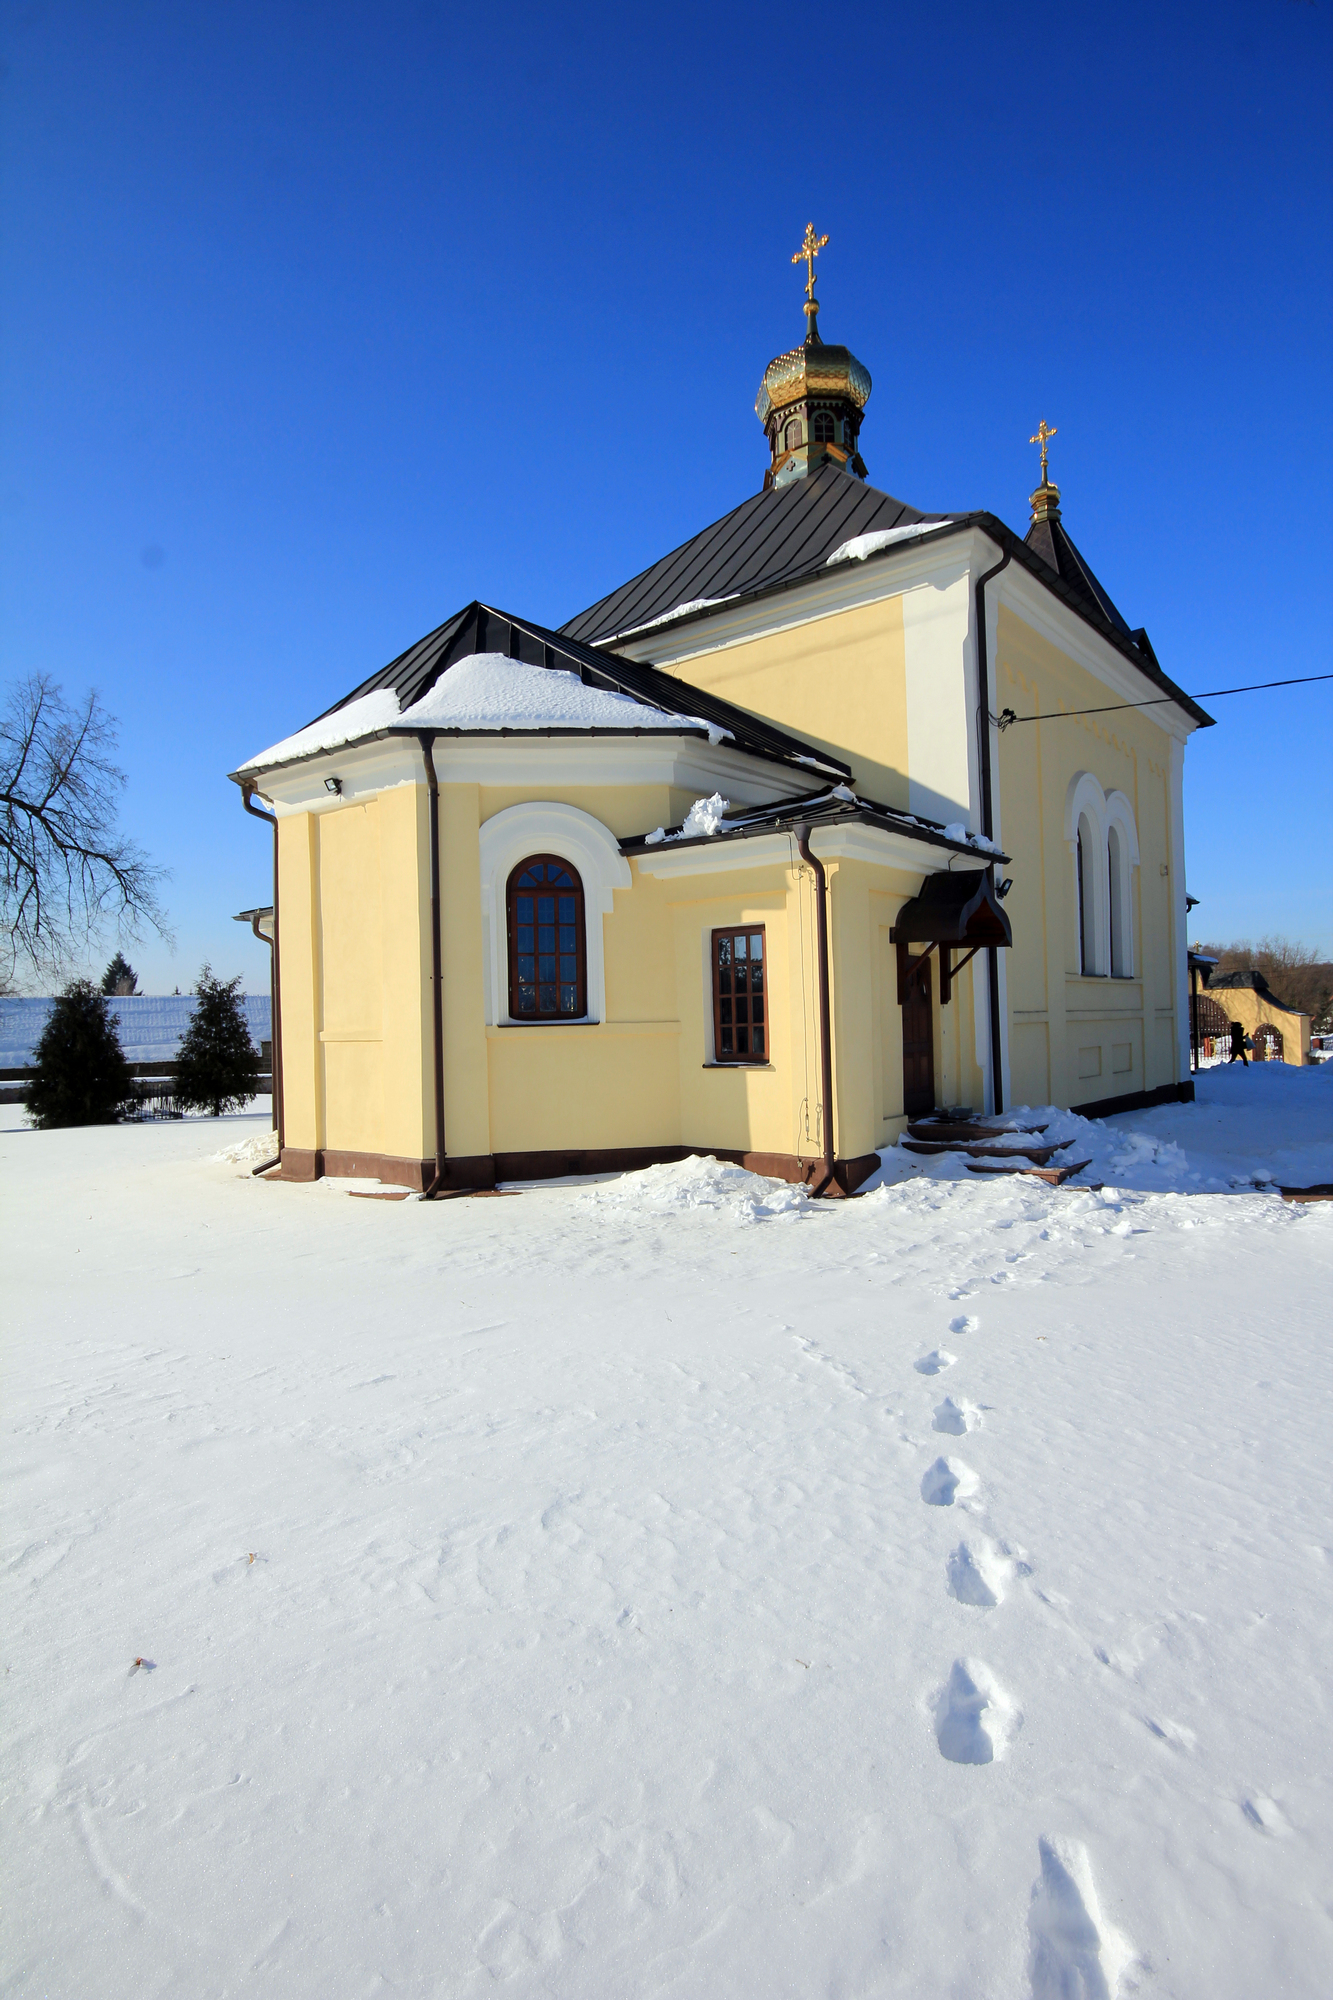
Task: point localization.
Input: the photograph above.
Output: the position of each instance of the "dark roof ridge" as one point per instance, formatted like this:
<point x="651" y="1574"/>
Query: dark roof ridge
<point x="418" y="667"/>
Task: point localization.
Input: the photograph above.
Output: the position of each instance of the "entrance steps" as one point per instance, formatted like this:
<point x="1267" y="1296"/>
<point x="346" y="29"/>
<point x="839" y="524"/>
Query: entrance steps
<point x="990" y="1146"/>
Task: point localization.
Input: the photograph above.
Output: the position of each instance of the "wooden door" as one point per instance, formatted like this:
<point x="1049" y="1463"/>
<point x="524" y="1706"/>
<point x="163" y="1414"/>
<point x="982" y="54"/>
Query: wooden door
<point x="918" y="1043"/>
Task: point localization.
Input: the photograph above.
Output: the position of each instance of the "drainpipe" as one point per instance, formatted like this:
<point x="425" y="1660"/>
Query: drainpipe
<point x="275" y="984"/>
<point x="816" y="867"/>
<point x="427" y="742"/>
<point x="988" y="828"/>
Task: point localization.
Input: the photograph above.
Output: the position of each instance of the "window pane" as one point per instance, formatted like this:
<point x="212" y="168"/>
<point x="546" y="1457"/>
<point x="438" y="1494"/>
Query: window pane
<point x="726" y="1048"/>
<point x="546" y="909"/>
<point x="740" y="947"/>
<point x="724" y="1012"/>
<point x="569" y="999"/>
<point x="758" y="1035"/>
<point x="546" y="996"/>
<point x="523" y="909"/>
<point x="569" y="965"/>
<point x="561" y="876"/>
<point x="523" y="938"/>
<point x="724" y="951"/>
<point x="528" y="877"/>
<point x="756" y="1007"/>
<point x="742" y="977"/>
<point x="742" y="1008"/>
<point x="527" y="968"/>
<point x="724" y="980"/>
<point x="567" y="937"/>
<point x="566" y="909"/>
<point x="546" y="966"/>
<point x="742" y="1041"/>
<point x="757" y="945"/>
<point x="527" y="1000"/>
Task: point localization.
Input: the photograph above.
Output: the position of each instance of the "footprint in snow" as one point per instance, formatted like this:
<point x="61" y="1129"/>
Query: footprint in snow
<point x="974" y="1718"/>
<point x="964" y="1323"/>
<point x="945" y="1480"/>
<point x="978" y="1574"/>
<point x="1074" y="1953"/>
<point x="1263" y="1815"/>
<point x="935" y="1362"/>
<point x="957" y="1416"/>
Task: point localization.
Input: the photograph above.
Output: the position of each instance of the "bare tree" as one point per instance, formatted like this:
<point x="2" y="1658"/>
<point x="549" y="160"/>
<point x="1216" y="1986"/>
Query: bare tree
<point x="1295" y="972"/>
<point x="67" y="872"/>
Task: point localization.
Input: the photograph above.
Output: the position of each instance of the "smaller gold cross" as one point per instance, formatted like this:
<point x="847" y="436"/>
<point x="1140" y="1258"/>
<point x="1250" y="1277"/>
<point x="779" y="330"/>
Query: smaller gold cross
<point x="810" y="249"/>
<point x="1045" y="432"/>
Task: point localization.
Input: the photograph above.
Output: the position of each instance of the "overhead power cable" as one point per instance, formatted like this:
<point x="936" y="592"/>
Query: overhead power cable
<point x="1007" y="716"/>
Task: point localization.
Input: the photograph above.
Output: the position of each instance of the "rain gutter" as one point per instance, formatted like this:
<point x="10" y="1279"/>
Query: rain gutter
<point x="816" y="866"/>
<point x="985" y="749"/>
<point x="426" y="738"/>
<point x="275" y="984"/>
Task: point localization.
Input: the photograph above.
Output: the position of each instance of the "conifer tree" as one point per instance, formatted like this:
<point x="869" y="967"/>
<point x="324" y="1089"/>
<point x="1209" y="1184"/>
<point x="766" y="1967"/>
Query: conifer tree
<point x="120" y="976"/>
<point x="82" y="1075"/>
<point x="218" y="1066"/>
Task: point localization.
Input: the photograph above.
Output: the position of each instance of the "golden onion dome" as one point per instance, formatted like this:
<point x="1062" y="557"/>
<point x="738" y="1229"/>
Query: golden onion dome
<point x="813" y="369"/>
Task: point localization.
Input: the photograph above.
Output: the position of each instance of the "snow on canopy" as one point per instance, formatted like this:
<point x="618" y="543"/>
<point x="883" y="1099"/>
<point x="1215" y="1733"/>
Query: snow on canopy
<point x="486" y="691"/>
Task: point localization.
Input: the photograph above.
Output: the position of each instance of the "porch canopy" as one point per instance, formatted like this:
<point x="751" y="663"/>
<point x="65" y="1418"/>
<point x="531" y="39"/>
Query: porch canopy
<point x="953" y="911"/>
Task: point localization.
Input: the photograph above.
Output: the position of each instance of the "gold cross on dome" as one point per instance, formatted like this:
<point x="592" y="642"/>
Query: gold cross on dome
<point x="810" y="249"/>
<point x="1044" y="433"/>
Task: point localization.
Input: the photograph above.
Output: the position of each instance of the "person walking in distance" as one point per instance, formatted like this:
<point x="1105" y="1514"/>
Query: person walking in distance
<point x="1238" y="1045"/>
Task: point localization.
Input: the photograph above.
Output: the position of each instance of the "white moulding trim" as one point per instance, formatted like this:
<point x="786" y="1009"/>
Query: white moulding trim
<point x="541" y="826"/>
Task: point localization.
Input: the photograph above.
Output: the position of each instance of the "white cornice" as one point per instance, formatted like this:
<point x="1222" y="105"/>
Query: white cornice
<point x="842" y="588"/>
<point x="830" y="843"/>
<point x="545" y="763"/>
<point x="935" y="563"/>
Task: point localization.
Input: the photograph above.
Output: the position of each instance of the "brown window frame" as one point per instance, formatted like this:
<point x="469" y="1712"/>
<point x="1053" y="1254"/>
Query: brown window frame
<point x="512" y="893"/>
<point x="751" y="1058"/>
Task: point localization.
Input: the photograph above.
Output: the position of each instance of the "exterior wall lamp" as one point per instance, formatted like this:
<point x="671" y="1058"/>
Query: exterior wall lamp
<point x="334" y="785"/>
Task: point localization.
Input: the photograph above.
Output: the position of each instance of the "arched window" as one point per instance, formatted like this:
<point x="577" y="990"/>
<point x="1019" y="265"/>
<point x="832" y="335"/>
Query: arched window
<point x="825" y="428"/>
<point x="791" y="437"/>
<point x="1086" y="861"/>
<point x="1115" y="867"/>
<point x="548" y="959"/>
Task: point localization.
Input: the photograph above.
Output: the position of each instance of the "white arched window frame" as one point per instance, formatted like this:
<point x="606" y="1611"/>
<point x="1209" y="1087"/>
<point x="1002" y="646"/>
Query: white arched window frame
<point x="1122" y="858"/>
<point x="540" y="826"/>
<point x="1085" y="834"/>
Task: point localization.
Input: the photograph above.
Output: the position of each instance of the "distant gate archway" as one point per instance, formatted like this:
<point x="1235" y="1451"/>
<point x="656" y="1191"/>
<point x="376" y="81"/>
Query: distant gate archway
<point x="1267" y="1043"/>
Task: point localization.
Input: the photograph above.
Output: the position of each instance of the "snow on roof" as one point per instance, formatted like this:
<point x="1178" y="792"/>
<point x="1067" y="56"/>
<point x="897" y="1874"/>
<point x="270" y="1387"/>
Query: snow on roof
<point x="362" y="717"/>
<point x="150" y="1025"/>
<point x="676" y="611"/>
<point x="861" y="546"/>
<point x="485" y="691"/>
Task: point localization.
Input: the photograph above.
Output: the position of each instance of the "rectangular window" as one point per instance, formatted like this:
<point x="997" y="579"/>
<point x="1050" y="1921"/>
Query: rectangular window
<point x="740" y="997"/>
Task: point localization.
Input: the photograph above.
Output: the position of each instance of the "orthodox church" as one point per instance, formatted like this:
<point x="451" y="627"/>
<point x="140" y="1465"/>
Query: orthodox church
<point x="840" y="813"/>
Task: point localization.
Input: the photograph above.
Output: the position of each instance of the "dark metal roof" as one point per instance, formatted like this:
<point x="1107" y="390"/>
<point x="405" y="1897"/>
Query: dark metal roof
<point x="786" y="536"/>
<point x="835" y="806"/>
<point x="480" y="628"/>
<point x="1049" y="540"/>
<point x="771" y="539"/>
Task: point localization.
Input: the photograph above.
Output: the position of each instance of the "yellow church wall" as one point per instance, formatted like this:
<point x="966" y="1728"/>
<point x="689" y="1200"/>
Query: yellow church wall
<point x="302" y="1069"/>
<point x="739" y="1108"/>
<point x="851" y="665"/>
<point x="625" y="809"/>
<point x="355" y="1007"/>
<point x="1253" y="1010"/>
<point x="1073" y="1038"/>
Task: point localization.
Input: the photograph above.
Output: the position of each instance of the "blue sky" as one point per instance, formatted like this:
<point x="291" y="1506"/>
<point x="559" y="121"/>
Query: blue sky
<point x="323" y="321"/>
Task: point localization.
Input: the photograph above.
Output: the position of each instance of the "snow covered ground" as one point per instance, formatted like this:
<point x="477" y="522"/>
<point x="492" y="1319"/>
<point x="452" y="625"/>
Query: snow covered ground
<point x="671" y="1587"/>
